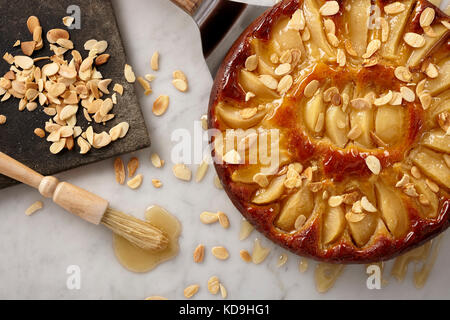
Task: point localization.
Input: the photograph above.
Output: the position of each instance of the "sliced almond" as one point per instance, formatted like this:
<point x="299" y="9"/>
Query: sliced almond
<point x="201" y="171"/>
<point x="119" y="170"/>
<point x="407" y="94"/>
<point x="311" y="88"/>
<point x="213" y="285"/>
<point x="156" y="160"/>
<point x="245" y="255"/>
<point x="160" y="105"/>
<point x="394" y="8"/>
<point x="251" y="63"/>
<point x="427" y="17"/>
<point x="220" y="253"/>
<point x="329" y="8"/>
<point x="180" y="85"/>
<point x="28" y="47"/>
<point x="84" y="146"/>
<point x="223" y="220"/>
<point x="199" y="253"/>
<point x="38" y="132"/>
<point x="136" y="182"/>
<point x="129" y="74"/>
<point x="154" y="62"/>
<point x="372" y="47"/>
<point x="38" y="205"/>
<point x="269" y="81"/>
<point x="299" y="222"/>
<point x="431" y="71"/>
<point x="384" y="99"/>
<point x="118" y="88"/>
<point x="157" y="183"/>
<point x="414" y="40"/>
<point x="23" y="62"/>
<point x="373" y="164"/>
<point x="403" y="74"/>
<point x="182" y="172"/>
<point x="223" y="291"/>
<point x="32" y="22"/>
<point x="67" y="21"/>
<point x="54" y="34"/>
<point x="191" y="290"/>
<point x="132" y="166"/>
<point x="283" y="69"/>
<point x="366" y="205"/>
<point x="335" y="201"/>
<point x="285" y="84"/>
<point x="57" y="146"/>
<point x="209" y="217"/>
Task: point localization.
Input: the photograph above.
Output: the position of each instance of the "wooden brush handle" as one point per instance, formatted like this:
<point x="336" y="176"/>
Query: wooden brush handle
<point x="78" y="201"/>
<point x="190" y="6"/>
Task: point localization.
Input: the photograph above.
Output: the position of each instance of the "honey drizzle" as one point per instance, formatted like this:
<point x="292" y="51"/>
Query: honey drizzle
<point x="421" y="276"/>
<point x="138" y="260"/>
<point x="326" y="275"/>
<point x="400" y="267"/>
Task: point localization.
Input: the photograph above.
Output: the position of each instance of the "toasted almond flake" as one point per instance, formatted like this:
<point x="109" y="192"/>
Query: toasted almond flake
<point x="32" y="23"/>
<point x="118" y="88"/>
<point x="31" y="106"/>
<point x="154" y="62"/>
<point x="297" y="21"/>
<point x="329" y="8"/>
<point x="335" y="201"/>
<point x="372" y="47"/>
<point x="285" y="84"/>
<point x="217" y="182"/>
<point x="144" y="84"/>
<point x="373" y="164"/>
<point x="269" y="81"/>
<point x="67" y="21"/>
<point x="354" y="217"/>
<point x="89" y="45"/>
<point x="311" y="88"/>
<point x="65" y="43"/>
<point x="38" y="205"/>
<point x="433" y="186"/>
<point x="349" y="48"/>
<point x="180" y="85"/>
<point x="156" y="160"/>
<point x="446" y="24"/>
<point x="283" y="69"/>
<point x="54" y="34"/>
<point x="249" y="95"/>
<point x="213" y="285"/>
<point x="182" y="172"/>
<point x="341" y="57"/>
<point x="157" y="183"/>
<point x="245" y="255"/>
<point x="407" y="94"/>
<point x="119" y="170"/>
<point x="220" y="253"/>
<point x="199" y="253"/>
<point x="286" y="57"/>
<point x="431" y="71"/>
<point x="427" y="17"/>
<point x="132" y="166"/>
<point x="223" y="291"/>
<point x="160" y="105"/>
<point x="251" y="63"/>
<point x="68" y="111"/>
<point x="410" y="190"/>
<point x="334" y="41"/>
<point x="394" y="8"/>
<point x="274" y="58"/>
<point x="299" y="222"/>
<point x="28" y="47"/>
<point x="403" y="74"/>
<point x="207" y="217"/>
<point x="425" y="100"/>
<point x="248" y="113"/>
<point x="403" y="181"/>
<point x="135" y="182"/>
<point x="414" y="40"/>
<point x="259" y="253"/>
<point x="191" y="290"/>
<point x="57" y="146"/>
<point x="232" y="157"/>
<point x="223" y="220"/>
<point x="201" y="171"/>
<point x="100" y="47"/>
<point x="129" y="74"/>
<point x="23" y="62"/>
<point x="357" y="207"/>
<point x="384" y="99"/>
<point x="38" y="131"/>
<point x="396" y="99"/>
<point x="156" y="298"/>
<point x="366" y="205"/>
<point x="8" y="58"/>
<point x="329" y="25"/>
<point x="261" y="180"/>
<point x="101" y="140"/>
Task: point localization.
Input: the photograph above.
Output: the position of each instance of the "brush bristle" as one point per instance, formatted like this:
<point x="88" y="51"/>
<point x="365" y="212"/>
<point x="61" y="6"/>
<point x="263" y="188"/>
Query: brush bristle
<point x="138" y="232"/>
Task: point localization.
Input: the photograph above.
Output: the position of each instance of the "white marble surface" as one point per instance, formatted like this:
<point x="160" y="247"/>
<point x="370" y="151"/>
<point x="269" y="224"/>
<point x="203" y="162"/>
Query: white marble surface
<point x="36" y="251"/>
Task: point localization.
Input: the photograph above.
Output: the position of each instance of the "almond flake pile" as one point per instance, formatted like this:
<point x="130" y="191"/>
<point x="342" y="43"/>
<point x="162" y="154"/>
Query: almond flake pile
<point x="65" y="86"/>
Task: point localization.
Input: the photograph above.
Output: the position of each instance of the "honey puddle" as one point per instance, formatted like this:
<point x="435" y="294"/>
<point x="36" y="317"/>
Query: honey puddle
<point x="303" y="265"/>
<point x="138" y="260"/>
<point x="326" y="275"/>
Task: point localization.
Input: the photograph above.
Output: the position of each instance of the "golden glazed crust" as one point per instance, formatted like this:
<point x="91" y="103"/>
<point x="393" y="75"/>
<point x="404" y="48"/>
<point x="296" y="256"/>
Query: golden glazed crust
<point x="362" y="108"/>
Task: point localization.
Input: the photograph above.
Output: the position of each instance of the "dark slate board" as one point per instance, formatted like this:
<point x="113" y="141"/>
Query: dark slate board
<point x="97" y="22"/>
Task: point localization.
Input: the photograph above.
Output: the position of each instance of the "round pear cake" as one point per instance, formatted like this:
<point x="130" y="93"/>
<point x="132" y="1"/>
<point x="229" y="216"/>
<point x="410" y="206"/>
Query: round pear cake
<point x="332" y="126"/>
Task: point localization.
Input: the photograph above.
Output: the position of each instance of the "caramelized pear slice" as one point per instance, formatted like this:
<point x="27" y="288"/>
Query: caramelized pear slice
<point x="333" y="224"/>
<point x="313" y="108"/>
<point x="397" y="24"/>
<point x="358" y="22"/>
<point x="285" y="39"/>
<point x="432" y="164"/>
<point x="232" y="117"/>
<point x="389" y="123"/>
<point x="362" y="230"/>
<point x="417" y="55"/>
<point x="299" y="203"/>
<point x="437" y="140"/>
<point x="313" y="22"/>
<point x="272" y="192"/>
<point x="442" y="82"/>
<point x="429" y="210"/>
<point x="337" y="126"/>
<point x="392" y="209"/>
<point x="251" y="83"/>
<point x="364" y="120"/>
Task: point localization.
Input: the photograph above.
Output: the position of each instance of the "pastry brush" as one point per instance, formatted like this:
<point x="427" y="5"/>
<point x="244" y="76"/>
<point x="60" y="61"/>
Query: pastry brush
<point x="86" y="205"/>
